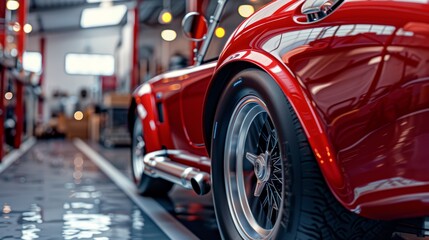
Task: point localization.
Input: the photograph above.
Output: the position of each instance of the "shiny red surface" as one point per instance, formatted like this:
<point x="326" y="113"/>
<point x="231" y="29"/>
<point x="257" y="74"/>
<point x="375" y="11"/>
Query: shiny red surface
<point x="359" y="83"/>
<point x="181" y="94"/>
<point x="358" y="80"/>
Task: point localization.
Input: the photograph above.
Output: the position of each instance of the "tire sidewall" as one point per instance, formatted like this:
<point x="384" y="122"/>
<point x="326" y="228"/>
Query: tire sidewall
<point x="257" y="83"/>
<point x="147" y="186"/>
<point x="137" y="126"/>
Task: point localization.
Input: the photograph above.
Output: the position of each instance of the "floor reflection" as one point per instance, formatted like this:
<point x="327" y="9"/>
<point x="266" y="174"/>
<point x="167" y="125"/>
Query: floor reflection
<point x="30" y="221"/>
<point x="193" y="211"/>
<point x="55" y="192"/>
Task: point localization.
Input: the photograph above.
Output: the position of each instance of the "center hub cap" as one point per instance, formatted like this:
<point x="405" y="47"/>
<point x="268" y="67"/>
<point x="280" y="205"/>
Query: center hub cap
<point x="261" y="167"/>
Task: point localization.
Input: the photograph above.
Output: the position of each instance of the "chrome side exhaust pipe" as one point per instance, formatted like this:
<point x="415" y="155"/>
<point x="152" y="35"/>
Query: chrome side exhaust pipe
<point x="158" y="164"/>
<point x="201" y="183"/>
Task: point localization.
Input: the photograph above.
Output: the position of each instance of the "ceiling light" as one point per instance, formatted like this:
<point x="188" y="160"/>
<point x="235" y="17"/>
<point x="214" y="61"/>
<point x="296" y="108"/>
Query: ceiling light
<point x="32" y="62"/>
<point x="103" y="3"/>
<point x="12" y="5"/>
<point x="246" y="10"/>
<point x="106" y="4"/>
<point x="78" y="115"/>
<point x="106" y="16"/>
<point x="168" y="35"/>
<point x="99" y="1"/>
<point x="8" y="95"/>
<point x="165" y="17"/>
<point x="28" y="28"/>
<point x="90" y="64"/>
<point x="220" y="32"/>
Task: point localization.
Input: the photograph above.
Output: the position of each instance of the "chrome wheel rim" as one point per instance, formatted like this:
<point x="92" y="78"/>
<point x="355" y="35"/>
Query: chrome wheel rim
<point x="253" y="169"/>
<point x="138" y="151"/>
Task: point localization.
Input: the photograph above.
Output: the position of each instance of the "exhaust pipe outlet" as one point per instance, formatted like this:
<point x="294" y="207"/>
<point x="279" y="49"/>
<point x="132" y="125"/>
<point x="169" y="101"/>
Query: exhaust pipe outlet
<point x="201" y="183"/>
<point x="159" y="165"/>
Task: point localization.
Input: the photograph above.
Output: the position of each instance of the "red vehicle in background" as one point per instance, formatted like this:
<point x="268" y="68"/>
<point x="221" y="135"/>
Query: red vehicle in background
<point x="312" y="124"/>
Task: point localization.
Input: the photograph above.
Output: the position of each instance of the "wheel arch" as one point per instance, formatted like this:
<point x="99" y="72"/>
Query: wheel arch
<point x="217" y="85"/>
<point x="313" y="126"/>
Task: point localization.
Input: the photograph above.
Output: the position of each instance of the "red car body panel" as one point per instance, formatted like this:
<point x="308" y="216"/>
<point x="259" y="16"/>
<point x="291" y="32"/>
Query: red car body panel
<point x="178" y="96"/>
<point x="358" y="81"/>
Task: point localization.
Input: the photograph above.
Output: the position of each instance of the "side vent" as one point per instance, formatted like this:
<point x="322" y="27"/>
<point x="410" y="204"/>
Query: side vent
<point x="159" y="107"/>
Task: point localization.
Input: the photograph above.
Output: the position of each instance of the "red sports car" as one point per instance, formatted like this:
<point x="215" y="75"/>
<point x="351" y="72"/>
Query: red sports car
<point x="312" y="124"/>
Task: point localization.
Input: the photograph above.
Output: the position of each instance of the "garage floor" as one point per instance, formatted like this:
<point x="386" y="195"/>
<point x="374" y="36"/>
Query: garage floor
<point x="55" y="191"/>
<point x="61" y="189"/>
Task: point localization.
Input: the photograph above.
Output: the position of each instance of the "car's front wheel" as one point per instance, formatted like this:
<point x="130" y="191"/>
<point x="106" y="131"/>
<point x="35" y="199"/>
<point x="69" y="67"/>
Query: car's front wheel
<point x="266" y="182"/>
<point x="146" y="185"/>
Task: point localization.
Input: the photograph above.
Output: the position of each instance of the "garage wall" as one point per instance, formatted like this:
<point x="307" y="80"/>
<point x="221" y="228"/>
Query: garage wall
<point x="101" y="40"/>
<point x="150" y="36"/>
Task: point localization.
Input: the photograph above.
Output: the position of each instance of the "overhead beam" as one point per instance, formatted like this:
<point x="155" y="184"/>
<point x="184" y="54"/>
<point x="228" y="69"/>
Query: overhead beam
<point x="64" y="7"/>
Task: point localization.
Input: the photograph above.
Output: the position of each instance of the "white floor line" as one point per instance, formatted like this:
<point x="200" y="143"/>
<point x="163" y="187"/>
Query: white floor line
<point x="167" y="223"/>
<point x="15" y="154"/>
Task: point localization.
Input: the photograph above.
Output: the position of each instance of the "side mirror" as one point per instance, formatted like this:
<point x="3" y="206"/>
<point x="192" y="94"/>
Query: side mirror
<point x="194" y="26"/>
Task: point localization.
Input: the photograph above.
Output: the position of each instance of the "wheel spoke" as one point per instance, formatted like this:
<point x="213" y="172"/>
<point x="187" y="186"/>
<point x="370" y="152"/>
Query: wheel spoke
<point x="277" y="197"/>
<point x="265" y="136"/>
<point x="276" y="178"/>
<point x="266" y="199"/>
<point x="274" y="143"/>
<point x="269" y="217"/>
<point x="259" y="187"/>
<point x="273" y="192"/>
<point x="268" y="129"/>
<point x="267" y="148"/>
<point x="260" y="214"/>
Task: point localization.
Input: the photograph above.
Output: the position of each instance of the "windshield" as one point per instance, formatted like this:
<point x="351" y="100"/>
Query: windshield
<point x="236" y="11"/>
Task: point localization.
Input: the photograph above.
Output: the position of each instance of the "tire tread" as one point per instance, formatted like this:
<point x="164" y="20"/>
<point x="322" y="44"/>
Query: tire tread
<point x="322" y="216"/>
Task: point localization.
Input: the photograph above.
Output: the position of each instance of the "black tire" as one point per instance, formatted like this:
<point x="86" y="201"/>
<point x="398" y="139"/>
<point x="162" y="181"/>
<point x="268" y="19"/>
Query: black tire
<point x="146" y="185"/>
<point x="308" y="208"/>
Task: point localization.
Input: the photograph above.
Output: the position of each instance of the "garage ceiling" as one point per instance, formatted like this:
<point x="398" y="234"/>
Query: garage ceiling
<point x="64" y="15"/>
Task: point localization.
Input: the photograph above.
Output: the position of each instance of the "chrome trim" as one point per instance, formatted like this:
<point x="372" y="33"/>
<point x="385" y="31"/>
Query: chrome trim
<point x="318" y="9"/>
<point x="314" y="6"/>
<point x="159" y="164"/>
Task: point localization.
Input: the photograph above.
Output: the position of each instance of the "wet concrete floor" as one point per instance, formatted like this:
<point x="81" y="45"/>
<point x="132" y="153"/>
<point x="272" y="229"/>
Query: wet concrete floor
<point x="54" y="192"/>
